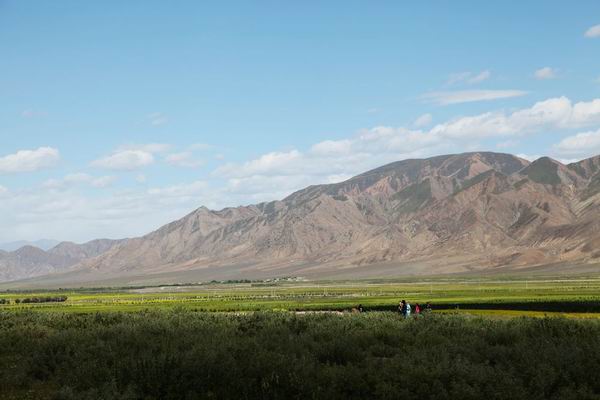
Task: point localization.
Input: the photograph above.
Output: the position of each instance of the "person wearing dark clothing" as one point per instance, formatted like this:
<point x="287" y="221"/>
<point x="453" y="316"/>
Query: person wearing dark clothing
<point x="403" y="309"/>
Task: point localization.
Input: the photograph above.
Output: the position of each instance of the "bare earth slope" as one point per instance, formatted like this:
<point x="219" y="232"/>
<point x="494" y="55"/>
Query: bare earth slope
<point x="455" y="213"/>
<point x="30" y="261"/>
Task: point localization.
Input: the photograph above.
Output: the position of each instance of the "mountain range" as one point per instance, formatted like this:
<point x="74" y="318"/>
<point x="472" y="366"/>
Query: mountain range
<point x="478" y="212"/>
<point x="44" y="244"/>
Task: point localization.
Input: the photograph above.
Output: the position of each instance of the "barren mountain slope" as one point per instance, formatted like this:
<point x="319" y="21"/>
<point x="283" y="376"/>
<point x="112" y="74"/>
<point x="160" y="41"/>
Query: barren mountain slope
<point x="365" y="219"/>
<point x="466" y="212"/>
<point x="30" y="261"/>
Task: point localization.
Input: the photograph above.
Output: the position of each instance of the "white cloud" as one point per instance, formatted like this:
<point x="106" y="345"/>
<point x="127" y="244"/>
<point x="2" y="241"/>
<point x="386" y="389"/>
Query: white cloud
<point x="593" y="32"/>
<point x="132" y="156"/>
<point x="141" y="178"/>
<point x="274" y="163"/>
<point x="200" y="147"/>
<point x="74" y="179"/>
<point x="53" y="184"/>
<point x="457" y="78"/>
<point x="103" y="181"/>
<point x="29" y="160"/>
<point x="568" y="160"/>
<point x="332" y="147"/>
<point x="423" y="120"/>
<point x="79" y="216"/>
<point x="468" y="77"/>
<point x="467" y="96"/>
<point x="184" y="159"/>
<point x="148" y="147"/>
<point x="183" y="190"/>
<point x="545" y="73"/>
<point x="78" y="177"/>
<point x="584" y="143"/>
<point x="125" y="160"/>
<point x="507" y="144"/>
<point x="157" y="119"/>
<point x="480" y="77"/>
<point x="3" y="190"/>
<point x="557" y="113"/>
<point x="332" y="160"/>
<point x="282" y="172"/>
<point x="529" y="157"/>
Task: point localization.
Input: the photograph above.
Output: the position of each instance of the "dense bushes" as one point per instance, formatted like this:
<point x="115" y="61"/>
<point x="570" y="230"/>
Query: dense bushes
<point x="184" y="355"/>
<point x="43" y="299"/>
<point x="47" y="299"/>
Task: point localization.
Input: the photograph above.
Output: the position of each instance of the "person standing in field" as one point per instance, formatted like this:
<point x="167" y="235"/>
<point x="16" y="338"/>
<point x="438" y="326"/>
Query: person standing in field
<point x="417" y="309"/>
<point x="407" y="313"/>
<point x="402" y="308"/>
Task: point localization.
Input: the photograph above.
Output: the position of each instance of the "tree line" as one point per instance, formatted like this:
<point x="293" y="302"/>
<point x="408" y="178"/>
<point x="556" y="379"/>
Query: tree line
<point x="42" y="299"/>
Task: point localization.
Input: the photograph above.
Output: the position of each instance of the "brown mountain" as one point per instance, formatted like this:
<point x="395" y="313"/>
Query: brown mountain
<point x="30" y="261"/>
<point x="455" y="213"/>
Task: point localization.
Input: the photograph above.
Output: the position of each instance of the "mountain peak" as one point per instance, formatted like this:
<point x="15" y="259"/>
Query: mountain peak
<point x="480" y="209"/>
<point x="548" y="171"/>
<point x="586" y="168"/>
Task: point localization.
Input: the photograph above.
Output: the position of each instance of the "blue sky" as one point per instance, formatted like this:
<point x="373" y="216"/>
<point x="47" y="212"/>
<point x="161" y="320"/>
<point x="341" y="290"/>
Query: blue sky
<point x="117" y="117"/>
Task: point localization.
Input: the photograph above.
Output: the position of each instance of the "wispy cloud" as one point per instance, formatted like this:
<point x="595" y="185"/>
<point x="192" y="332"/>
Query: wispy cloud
<point x="468" y="96"/>
<point x="29" y="113"/>
<point x="480" y="77"/>
<point x="157" y="118"/>
<point x="184" y="159"/>
<point x="147" y="147"/>
<point x="545" y="73"/>
<point x="468" y="77"/>
<point x="72" y="180"/>
<point x="507" y="144"/>
<point x="593" y="32"/>
<point x="423" y="120"/>
<point x="529" y="157"/>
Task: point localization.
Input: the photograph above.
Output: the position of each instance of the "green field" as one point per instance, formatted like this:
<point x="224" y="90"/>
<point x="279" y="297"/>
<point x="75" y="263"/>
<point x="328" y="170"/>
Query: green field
<point x="536" y="296"/>
<point x="254" y="340"/>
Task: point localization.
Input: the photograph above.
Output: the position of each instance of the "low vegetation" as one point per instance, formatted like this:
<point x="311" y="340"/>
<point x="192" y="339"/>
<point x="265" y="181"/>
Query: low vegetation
<point x="185" y="355"/>
<point x="572" y="295"/>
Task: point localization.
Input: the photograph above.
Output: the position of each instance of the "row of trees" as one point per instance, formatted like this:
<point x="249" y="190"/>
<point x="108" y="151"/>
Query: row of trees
<point x="45" y="299"/>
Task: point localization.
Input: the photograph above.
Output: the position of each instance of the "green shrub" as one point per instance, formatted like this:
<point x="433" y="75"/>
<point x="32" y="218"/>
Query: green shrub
<point x="186" y="355"/>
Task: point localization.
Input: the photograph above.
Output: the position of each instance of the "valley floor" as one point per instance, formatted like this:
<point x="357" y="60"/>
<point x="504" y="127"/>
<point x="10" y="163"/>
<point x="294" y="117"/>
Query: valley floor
<point x="570" y="295"/>
<point x="295" y="339"/>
